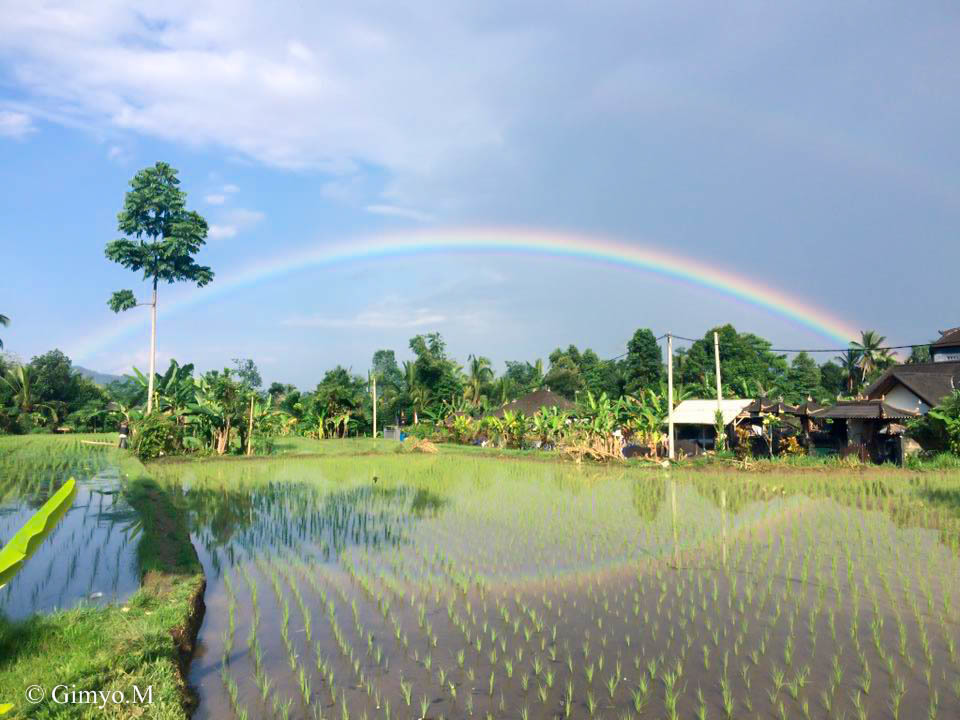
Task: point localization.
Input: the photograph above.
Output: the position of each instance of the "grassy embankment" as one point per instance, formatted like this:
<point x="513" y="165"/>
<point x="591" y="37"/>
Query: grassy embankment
<point x="145" y="643"/>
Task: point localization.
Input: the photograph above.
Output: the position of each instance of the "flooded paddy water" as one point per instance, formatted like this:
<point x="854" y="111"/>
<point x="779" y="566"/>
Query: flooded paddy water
<point x="454" y="587"/>
<point x="90" y="557"/>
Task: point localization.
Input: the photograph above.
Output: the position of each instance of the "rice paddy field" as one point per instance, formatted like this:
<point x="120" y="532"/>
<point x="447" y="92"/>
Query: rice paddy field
<point x="90" y="557"/>
<point x="407" y="586"/>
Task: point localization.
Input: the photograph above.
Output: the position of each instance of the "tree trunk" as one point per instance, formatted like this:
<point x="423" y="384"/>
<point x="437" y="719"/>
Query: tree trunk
<point x="224" y="440"/>
<point x="153" y="348"/>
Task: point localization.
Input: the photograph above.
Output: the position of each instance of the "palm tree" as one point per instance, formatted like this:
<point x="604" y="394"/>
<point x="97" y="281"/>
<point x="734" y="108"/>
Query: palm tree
<point x="5" y="322"/>
<point x="480" y="373"/>
<point x="872" y="356"/>
<point x="537" y="374"/>
<point x="20" y="380"/>
<point x="850" y="362"/>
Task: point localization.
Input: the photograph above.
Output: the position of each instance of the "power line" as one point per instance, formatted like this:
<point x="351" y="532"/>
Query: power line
<point x="815" y="350"/>
<point x="785" y="350"/>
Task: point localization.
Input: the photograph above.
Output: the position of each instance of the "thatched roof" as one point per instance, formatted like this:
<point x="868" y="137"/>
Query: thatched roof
<point x="931" y="382"/>
<point x="864" y="410"/>
<point x="530" y="403"/>
<point x="807" y="408"/>
<point x="948" y="338"/>
<point x="766" y="405"/>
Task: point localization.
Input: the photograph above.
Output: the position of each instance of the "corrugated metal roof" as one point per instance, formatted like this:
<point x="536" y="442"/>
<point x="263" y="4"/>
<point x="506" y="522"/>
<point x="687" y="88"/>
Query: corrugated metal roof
<point x="703" y="412"/>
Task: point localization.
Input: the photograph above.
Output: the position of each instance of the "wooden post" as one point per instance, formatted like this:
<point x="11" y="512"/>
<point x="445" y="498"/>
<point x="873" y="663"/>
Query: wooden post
<point x="374" y="407"/>
<point x="670" y="451"/>
<point x="250" y="429"/>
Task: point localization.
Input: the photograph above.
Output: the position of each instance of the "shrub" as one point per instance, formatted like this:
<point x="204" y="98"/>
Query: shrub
<point x="940" y="428"/>
<point x="157" y="435"/>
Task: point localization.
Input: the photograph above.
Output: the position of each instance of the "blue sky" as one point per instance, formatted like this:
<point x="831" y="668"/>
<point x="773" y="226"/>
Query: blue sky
<point x="812" y="147"/>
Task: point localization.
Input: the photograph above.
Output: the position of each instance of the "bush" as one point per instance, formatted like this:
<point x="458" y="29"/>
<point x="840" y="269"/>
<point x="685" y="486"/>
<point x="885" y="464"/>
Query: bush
<point x="157" y="435"/>
<point x="940" y="428"/>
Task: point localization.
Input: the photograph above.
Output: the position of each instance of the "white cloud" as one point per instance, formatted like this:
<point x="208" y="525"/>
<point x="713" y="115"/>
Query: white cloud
<point x="230" y="188"/>
<point x="215" y="199"/>
<point x="16" y="125"/>
<point x="379" y="318"/>
<point x="219" y="232"/>
<point x="233" y="222"/>
<point x="394" y="211"/>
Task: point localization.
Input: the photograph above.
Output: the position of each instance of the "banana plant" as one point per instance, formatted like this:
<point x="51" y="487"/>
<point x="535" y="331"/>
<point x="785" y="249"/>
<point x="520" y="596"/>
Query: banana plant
<point x="15" y="553"/>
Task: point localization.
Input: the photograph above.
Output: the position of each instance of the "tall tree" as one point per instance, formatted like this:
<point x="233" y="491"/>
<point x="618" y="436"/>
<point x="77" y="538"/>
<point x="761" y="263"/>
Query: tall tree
<point x="479" y="375"/>
<point x="850" y="364"/>
<point x="872" y="356"/>
<point x="833" y="379"/>
<point x="744" y="358"/>
<point x="802" y="379"/>
<point x="643" y="366"/>
<point x="564" y="376"/>
<point x="4" y="322"/>
<point x="166" y="236"/>
<point x="437" y="374"/>
<point x="918" y="354"/>
<point x="523" y="375"/>
<point x="248" y="372"/>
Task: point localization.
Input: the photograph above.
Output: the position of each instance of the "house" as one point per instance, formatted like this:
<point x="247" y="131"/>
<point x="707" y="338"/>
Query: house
<point x="694" y="421"/>
<point x="917" y="387"/>
<point x="866" y="424"/>
<point x="875" y="422"/>
<point x="531" y="403"/>
<point x="947" y="348"/>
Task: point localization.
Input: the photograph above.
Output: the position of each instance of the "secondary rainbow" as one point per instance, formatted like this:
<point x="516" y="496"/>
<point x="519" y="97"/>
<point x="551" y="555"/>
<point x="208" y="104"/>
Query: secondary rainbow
<point x="592" y="248"/>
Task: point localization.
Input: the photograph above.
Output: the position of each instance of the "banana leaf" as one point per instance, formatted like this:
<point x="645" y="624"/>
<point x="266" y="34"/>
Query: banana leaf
<point x="15" y="553"/>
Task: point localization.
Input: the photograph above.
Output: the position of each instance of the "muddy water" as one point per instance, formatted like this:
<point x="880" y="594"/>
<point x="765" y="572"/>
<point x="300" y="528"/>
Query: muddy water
<point x="90" y="557"/>
<point x="460" y="589"/>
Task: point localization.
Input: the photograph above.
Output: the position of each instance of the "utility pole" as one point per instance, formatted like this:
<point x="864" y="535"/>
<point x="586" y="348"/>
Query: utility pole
<point x="716" y="355"/>
<point x="670" y="451"/>
<point x="153" y="348"/>
<point x="250" y="428"/>
<point x="374" y="407"/>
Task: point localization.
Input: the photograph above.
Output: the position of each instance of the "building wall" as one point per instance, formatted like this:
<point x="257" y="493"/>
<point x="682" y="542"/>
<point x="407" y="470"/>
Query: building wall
<point x="945" y="354"/>
<point x="855" y="430"/>
<point x="902" y="398"/>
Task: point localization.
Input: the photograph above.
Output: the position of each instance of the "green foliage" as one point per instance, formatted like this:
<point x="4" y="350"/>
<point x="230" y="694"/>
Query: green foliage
<point x="167" y="235"/>
<point x="247" y="372"/>
<point x="572" y="372"/>
<point x="919" y="354"/>
<point x="872" y="359"/>
<point x="833" y="381"/>
<point x="720" y="430"/>
<point x="4" y="322"/>
<point x="802" y="380"/>
<point x="643" y="366"/>
<point x="939" y="429"/>
<point x="744" y="359"/>
<point x="157" y="435"/>
<point x="122" y="300"/>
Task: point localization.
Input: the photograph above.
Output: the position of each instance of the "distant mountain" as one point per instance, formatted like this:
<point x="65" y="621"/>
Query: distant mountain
<point x="98" y="377"/>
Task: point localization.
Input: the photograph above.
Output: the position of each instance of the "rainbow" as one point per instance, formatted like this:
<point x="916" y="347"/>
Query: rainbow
<point x="591" y="248"/>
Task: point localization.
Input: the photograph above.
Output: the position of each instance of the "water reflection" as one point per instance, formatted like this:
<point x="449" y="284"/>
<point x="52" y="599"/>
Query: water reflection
<point x="90" y="557"/>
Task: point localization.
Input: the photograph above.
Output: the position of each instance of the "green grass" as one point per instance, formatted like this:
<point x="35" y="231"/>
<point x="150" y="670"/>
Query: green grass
<point x="141" y="644"/>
